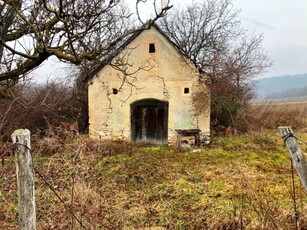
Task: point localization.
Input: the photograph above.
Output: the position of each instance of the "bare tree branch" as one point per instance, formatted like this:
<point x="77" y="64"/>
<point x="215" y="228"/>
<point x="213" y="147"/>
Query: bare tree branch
<point x="210" y="34"/>
<point x="73" y="31"/>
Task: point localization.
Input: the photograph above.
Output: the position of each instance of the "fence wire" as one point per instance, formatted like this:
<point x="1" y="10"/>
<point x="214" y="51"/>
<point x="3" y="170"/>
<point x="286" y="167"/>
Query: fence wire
<point x="67" y="207"/>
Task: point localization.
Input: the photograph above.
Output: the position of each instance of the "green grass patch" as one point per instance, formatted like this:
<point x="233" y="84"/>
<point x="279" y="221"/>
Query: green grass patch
<point x="234" y="183"/>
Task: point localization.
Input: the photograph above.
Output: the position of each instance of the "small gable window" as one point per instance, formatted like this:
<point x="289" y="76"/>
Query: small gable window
<point x="152" y="48"/>
<point x="186" y="90"/>
<point x="115" y="91"/>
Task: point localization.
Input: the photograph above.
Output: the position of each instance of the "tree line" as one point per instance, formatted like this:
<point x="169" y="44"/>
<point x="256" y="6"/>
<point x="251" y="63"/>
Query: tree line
<point x="83" y="33"/>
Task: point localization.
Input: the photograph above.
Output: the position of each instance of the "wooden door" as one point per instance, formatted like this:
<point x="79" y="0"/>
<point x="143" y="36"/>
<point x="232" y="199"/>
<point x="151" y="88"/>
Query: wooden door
<point x="149" y="121"/>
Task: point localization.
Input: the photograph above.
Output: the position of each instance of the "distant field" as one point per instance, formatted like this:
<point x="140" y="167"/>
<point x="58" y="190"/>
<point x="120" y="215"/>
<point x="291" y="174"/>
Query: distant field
<point x="283" y="102"/>
<point x="270" y="115"/>
<point x="239" y="183"/>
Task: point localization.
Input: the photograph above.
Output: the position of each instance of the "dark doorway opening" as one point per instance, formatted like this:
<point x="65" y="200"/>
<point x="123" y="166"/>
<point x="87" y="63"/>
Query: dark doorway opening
<point x="149" y="121"/>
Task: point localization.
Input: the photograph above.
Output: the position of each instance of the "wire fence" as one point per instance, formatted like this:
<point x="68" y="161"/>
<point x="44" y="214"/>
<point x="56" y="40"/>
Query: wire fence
<point x="54" y="192"/>
<point x="68" y="207"/>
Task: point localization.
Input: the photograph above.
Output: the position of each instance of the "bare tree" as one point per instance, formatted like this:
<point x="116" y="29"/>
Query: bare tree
<point x="31" y="31"/>
<point x="210" y="34"/>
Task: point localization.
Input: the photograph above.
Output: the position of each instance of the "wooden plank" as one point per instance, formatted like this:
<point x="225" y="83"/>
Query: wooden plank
<point x="297" y="156"/>
<point x="25" y="182"/>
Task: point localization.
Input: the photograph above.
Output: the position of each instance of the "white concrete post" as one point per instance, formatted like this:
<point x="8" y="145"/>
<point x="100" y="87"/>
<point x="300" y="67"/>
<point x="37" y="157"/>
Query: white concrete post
<point x="25" y="182"/>
<point x="297" y="155"/>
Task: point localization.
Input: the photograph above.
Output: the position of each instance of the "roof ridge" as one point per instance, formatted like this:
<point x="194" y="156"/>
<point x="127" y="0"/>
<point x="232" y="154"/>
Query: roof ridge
<point x="122" y="46"/>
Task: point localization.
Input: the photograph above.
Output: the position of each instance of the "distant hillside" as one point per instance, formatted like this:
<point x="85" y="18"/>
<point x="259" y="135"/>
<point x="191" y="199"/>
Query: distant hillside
<point x="283" y="87"/>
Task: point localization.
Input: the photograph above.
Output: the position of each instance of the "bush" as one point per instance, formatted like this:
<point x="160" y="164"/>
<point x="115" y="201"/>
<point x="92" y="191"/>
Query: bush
<point x="36" y="107"/>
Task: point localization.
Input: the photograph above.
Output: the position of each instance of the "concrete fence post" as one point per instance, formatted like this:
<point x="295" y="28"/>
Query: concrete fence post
<point x="25" y="181"/>
<point x="298" y="157"/>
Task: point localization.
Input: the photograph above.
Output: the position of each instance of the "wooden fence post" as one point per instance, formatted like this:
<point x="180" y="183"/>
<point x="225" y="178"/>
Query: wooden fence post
<point x="25" y="182"/>
<point x="297" y="156"/>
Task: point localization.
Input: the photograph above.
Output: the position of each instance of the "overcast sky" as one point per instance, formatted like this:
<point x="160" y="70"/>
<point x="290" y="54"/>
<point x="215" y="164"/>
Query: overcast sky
<point x="283" y="24"/>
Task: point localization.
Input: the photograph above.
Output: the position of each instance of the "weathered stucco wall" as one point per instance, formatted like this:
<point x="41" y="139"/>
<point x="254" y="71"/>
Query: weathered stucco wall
<point x="160" y="75"/>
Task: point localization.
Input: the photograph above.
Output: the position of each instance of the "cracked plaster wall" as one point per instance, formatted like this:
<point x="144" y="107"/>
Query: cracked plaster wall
<point x="161" y="75"/>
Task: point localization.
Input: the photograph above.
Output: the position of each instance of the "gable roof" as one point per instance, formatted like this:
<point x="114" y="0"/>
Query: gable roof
<point x="108" y="59"/>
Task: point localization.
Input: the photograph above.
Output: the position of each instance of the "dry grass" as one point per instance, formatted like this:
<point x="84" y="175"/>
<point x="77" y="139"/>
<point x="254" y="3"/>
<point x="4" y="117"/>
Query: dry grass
<point x="262" y="117"/>
<point x="236" y="183"/>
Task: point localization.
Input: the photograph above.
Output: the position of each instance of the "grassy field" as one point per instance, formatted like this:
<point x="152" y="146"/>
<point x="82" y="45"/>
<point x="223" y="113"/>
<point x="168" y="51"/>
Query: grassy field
<point x="268" y="116"/>
<point x="239" y="183"/>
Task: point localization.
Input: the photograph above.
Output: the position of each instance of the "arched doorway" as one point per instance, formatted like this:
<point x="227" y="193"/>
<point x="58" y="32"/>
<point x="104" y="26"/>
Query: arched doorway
<point x="149" y="121"/>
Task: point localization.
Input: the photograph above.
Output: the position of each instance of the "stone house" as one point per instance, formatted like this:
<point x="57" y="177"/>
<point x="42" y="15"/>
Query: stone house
<point x="145" y="93"/>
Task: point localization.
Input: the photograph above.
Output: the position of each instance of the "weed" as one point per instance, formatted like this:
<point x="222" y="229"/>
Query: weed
<point x="236" y="183"/>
